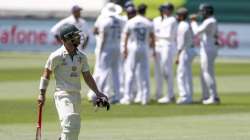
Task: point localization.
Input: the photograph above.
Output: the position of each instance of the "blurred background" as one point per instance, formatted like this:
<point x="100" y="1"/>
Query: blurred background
<point x="26" y="41"/>
<point x="25" y="24"/>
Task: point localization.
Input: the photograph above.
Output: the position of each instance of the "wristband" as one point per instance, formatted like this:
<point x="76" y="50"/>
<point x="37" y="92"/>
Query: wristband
<point x="43" y="83"/>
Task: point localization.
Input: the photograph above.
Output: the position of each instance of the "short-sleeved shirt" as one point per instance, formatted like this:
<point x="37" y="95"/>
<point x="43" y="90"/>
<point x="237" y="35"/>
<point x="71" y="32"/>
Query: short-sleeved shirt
<point x="184" y="36"/>
<point x="139" y="29"/>
<point x="208" y="29"/>
<point x="111" y="30"/>
<point x="157" y="21"/>
<point x="169" y="29"/>
<point x="67" y="71"/>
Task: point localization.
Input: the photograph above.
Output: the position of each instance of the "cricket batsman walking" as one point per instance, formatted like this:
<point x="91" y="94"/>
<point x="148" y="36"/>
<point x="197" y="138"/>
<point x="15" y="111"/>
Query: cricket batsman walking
<point x="67" y="64"/>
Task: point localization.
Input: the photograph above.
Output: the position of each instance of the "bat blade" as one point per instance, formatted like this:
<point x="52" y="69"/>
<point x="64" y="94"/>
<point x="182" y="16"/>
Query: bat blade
<point x="38" y="133"/>
<point x="39" y="124"/>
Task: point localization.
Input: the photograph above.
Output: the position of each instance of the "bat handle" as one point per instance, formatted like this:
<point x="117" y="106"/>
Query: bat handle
<point x="39" y="121"/>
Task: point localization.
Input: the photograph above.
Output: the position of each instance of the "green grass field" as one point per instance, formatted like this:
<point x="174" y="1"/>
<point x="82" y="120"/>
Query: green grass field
<point x="19" y="79"/>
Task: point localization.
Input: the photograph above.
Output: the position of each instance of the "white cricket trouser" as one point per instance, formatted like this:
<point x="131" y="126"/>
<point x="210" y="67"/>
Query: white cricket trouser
<point x="137" y="59"/>
<point x="109" y="60"/>
<point x="208" y="82"/>
<point x="184" y="73"/>
<point x="68" y="106"/>
<point x="96" y="74"/>
<point x="164" y="67"/>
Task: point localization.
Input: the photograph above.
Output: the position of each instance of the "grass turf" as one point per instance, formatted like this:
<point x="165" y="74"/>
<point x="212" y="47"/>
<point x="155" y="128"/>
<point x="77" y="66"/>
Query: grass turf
<point x="19" y="78"/>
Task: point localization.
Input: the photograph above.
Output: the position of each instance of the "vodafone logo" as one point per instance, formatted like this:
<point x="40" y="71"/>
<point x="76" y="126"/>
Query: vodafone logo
<point x="15" y="35"/>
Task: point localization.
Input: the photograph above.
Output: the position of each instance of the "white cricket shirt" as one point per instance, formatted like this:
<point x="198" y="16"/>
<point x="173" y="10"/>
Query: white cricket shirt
<point x="184" y="36"/>
<point x="67" y="72"/>
<point x="169" y="29"/>
<point x="138" y="29"/>
<point x="110" y="31"/>
<point x="157" y="22"/>
<point x="208" y="30"/>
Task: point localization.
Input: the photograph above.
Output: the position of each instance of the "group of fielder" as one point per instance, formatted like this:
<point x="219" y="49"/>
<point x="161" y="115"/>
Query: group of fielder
<point x="123" y="47"/>
<point x="125" y="43"/>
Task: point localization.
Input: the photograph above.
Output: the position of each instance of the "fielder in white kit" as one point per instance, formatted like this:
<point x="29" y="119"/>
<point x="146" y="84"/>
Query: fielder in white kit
<point x="139" y="33"/>
<point x="208" y="52"/>
<point x="167" y="48"/>
<point x="184" y="58"/>
<point x="109" y="58"/>
<point x="157" y="66"/>
<point x="67" y="64"/>
<point x="76" y="20"/>
<point x="109" y="9"/>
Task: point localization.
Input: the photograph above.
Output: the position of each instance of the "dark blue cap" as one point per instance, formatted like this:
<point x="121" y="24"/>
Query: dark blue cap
<point x="162" y="7"/>
<point x="130" y="9"/>
<point x="128" y="4"/>
<point x="76" y="8"/>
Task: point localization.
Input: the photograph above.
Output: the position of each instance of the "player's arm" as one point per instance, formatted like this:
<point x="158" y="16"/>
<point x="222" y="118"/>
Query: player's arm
<point x="152" y="42"/>
<point x="181" y="34"/>
<point x="126" y="45"/>
<point x="127" y="32"/>
<point x="92" y="84"/>
<point x="103" y="36"/>
<point x="84" y="40"/>
<point x="95" y="31"/>
<point x="96" y="25"/>
<point x="197" y="30"/>
<point x="44" y="82"/>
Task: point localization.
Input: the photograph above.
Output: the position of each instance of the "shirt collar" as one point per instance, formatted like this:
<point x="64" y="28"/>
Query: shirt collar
<point x="64" y="51"/>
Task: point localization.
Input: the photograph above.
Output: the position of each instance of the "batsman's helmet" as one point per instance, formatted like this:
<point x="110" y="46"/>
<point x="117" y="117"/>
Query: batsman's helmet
<point x="206" y="9"/>
<point x="69" y="32"/>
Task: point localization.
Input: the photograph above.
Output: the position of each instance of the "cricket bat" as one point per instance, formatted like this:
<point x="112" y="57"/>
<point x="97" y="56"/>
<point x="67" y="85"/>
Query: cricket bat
<point x="39" y="123"/>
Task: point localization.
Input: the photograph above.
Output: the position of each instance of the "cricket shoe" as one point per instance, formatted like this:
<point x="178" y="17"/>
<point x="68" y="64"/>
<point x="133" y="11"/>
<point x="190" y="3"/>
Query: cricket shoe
<point x="183" y="100"/>
<point x="166" y="100"/>
<point x="125" y="101"/>
<point x="211" y="100"/>
<point x="137" y="99"/>
<point x="144" y="102"/>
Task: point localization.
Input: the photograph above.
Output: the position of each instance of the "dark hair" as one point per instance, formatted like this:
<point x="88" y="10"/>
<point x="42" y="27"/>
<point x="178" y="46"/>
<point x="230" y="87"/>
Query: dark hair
<point x="161" y="8"/>
<point x="206" y="8"/>
<point x="142" y="8"/>
<point x="169" y="6"/>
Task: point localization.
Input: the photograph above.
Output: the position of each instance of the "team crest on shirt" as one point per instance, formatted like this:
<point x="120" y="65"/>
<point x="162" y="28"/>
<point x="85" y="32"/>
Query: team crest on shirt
<point x="64" y="62"/>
